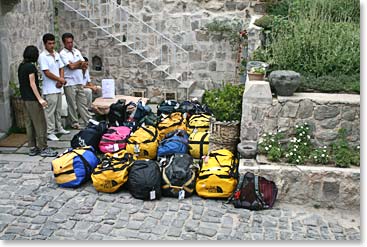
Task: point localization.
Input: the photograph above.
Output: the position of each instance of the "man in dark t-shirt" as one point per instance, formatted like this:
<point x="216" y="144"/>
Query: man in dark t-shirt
<point x="34" y="104"/>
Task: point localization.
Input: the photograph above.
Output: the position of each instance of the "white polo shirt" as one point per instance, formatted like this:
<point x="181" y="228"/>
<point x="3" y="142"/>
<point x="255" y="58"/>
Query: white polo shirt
<point x="86" y="77"/>
<point x="53" y="64"/>
<point x="72" y="76"/>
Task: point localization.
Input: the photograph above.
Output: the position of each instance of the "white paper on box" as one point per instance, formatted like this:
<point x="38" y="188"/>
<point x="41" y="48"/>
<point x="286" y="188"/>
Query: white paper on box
<point x="108" y="88"/>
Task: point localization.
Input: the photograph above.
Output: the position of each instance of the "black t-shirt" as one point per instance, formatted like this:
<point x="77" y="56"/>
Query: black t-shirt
<point x="24" y="70"/>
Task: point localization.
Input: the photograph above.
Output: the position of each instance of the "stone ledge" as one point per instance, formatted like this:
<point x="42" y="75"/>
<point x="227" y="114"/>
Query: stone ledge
<point x="323" y="98"/>
<point x="324" y="187"/>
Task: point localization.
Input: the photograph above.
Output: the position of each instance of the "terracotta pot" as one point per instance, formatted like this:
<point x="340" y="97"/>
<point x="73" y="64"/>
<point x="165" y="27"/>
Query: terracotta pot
<point x="256" y="76"/>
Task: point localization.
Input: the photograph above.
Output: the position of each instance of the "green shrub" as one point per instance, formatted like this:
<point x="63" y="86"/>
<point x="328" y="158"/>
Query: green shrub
<point x="265" y="22"/>
<point x="319" y="38"/>
<point x="330" y="83"/>
<point x="270" y="145"/>
<point x="225" y="102"/>
<point x="343" y="154"/>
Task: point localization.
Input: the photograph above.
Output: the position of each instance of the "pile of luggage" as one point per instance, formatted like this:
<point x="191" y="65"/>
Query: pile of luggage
<point x="153" y="155"/>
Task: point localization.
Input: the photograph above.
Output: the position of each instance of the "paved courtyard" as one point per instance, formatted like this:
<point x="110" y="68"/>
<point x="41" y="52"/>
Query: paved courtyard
<point x="32" y="206"/>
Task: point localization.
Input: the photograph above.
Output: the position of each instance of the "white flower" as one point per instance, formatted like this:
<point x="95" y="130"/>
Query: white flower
<point x="286" y="155"/>
<point x="300" y="134"/>
<point x="291" y="153"/>
<point x="308" y="137"/>
<point x="299" y="140"/>
<point x="266" y="148"/>
<point x="261" y="141"/>
<point x="269" y="133"/>
<point x="327" y="155"/>
<point x="299" y="156"/>
<point x="279" y="131"/>
<point x="296" y="146"/>
<point x="324" y="146"/>
<point x="301" y="127"/>
<point x="272" y="139"/>
<point x="322" y="155"/>
<point x="296" y="126"/>
<point x="297" y="160"/>
<point x="358" y="147"/>
<point x="305" y="143"/>
<point x="264" y="135"/>
<point x="315" y="157"/>
<point x="295" y="150"/>
<point x="324" y="151"/>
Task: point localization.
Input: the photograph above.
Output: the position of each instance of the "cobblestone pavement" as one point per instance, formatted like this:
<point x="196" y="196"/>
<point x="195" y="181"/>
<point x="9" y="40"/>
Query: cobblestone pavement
<point x="32" y="206"/>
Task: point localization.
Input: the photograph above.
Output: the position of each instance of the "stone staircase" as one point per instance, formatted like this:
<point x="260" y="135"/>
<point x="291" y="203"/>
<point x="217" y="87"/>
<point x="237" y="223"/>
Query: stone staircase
<point x="154" y="49"/>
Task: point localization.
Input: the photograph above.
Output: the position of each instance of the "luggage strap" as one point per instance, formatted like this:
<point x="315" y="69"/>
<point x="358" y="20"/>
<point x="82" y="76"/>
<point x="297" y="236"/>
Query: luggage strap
<point x="155" y="134"/>
<point x="257" y="192"/>
<point x="238" y="188"/>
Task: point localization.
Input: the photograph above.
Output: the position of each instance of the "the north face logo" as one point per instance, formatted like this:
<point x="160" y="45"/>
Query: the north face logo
<point x="81" y="142"/>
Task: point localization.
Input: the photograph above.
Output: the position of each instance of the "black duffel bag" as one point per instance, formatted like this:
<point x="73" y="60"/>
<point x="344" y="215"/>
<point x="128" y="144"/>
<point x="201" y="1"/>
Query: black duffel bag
<point x="144" y="180"/>
<point x="179" y="176"/>
<point x="90" y="136"/>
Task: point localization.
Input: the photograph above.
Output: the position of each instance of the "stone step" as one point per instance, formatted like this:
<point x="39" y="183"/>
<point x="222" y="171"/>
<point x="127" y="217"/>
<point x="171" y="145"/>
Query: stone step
<point x="150" y="60"/>
<point x="161" y="68"/>
<point x="138" y="52"/>
<point x="125" y="44"/>
<point x="314" y="186"/>
<point x="174" y="76"/>
<point x="197" y="93"/>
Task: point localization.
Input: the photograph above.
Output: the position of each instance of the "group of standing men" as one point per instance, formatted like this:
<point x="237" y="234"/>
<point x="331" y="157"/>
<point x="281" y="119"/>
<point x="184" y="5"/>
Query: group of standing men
<point x="61" y="72"/>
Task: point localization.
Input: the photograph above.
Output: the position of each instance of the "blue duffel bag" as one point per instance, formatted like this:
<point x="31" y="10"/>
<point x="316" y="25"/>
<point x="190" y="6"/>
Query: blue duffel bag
<point x="174" y="142"/>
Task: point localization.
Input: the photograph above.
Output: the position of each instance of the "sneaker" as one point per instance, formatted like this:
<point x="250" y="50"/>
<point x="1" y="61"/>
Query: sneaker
<point x="52" y="137"/>
<point x="48" y="152"/>
<point x="63" y="131"/>
<point x="34" y="151"/>
<point x="75" y="126"/>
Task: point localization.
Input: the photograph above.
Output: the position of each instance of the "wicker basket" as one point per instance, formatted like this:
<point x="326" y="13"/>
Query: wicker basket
<point x="224" y="135"/>
<point x="19" y="112"/>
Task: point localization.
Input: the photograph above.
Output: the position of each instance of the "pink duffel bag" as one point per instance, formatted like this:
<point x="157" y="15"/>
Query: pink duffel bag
<point x="114" y="139"/>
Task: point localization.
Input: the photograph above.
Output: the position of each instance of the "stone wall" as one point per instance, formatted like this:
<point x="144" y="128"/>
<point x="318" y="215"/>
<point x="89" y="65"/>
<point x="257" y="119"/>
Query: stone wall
<point x="22" y="23"/>
<point x="212" y="59"/>
<point x="324" y="187"/>
<point x="325" y="113"/>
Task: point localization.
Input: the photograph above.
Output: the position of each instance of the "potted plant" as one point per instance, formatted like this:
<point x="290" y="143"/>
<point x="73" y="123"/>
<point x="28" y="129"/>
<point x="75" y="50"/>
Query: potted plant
<point x="18" y="106"/>
<point x="226" y="105"/>
<point x="256" y="74"/>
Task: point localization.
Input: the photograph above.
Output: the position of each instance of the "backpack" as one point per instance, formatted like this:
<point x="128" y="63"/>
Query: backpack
<point x="143" y="143"/>
<point x="254" y="192"/>
<point x="218" y="175"/>
<point x="112" y="172"/>
<point x="198" y="123"/>
<point x="74" y="167"/>
<point x="179" y="176"/>
<point x="90" y="136"/>
<point x="144" y="181"/>
<point x="174" y="142"/>
<point x="117" y="113"/>
<point x="167" y="107"/>
<point x="114" y="139"/>
<point x="198" y="144"/>
<point x="173" y="122"/>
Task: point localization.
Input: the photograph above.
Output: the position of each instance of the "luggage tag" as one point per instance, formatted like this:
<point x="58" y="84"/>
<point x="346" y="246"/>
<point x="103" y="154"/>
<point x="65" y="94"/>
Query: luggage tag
<point x="181" y="194"/>
<point x="115" y="147"/>
<point x="136" y="149"/>
<point x="152" y="195"/>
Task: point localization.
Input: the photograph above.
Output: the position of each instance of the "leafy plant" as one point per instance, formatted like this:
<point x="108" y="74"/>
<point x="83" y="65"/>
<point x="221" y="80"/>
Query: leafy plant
<point x="225" y="102"/>
<point x="257" y="70"/>
<point x="15" y="89"/>
<point x="300" y="146"/>
<point x="271" y="146"/>
<point x="227" y="29"/>
<point x="320" y="155"/>
<point x="343" y="154"/>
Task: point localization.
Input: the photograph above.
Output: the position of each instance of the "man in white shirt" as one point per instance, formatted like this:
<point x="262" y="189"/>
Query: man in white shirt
<point x="53" y="81"/>
<point x="74" y="92"/>
<point x="91" y="90"/>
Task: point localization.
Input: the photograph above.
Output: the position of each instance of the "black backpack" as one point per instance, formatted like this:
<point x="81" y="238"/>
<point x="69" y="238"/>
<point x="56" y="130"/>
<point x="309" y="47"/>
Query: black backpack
<point x="144" y="180"/>
<point x="117" y="114"/>
<point x="254" y="192"/>
<point x="179" y="176"/>
<point x="90" y="136"/>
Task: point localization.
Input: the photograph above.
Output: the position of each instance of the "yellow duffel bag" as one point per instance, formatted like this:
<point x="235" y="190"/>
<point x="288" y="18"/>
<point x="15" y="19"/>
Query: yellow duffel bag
<point x="112" y="172"/>
<point x="198" y="122"/>
<point x="143" y="143"/>
<point x="171" y="123"/>
<point x="218" y="175"/>
<point x="198" y="144"/>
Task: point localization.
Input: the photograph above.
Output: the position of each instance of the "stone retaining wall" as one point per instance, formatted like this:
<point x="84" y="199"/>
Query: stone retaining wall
<point x="324" y="187"/>
<point x="325" y="113"/>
